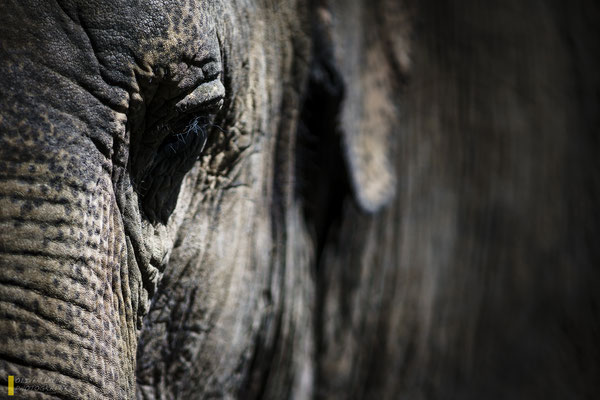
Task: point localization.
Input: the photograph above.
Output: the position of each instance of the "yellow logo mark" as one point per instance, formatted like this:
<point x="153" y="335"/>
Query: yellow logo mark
<point x="11" y="385"/>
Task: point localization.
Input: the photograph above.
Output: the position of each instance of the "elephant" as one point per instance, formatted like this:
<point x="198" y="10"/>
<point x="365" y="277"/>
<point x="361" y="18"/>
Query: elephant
<point x="304" y="199"/>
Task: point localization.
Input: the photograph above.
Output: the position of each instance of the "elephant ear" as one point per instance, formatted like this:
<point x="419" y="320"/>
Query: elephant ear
<point x="370" y="51"/>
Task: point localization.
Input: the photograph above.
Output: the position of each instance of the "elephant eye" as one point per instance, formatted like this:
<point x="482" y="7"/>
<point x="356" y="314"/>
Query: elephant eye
<point x="173" y="159"/>
<point x="170" y="140"/>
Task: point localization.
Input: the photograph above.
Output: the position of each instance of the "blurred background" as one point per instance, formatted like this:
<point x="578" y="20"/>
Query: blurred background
<point x="482" y="281"/>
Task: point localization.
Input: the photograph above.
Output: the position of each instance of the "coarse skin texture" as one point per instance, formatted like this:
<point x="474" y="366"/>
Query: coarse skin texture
<point x="324" y="199"/>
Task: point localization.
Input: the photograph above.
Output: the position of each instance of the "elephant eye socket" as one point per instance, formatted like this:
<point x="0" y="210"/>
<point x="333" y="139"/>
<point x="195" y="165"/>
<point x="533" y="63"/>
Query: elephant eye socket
<point x="176" y="134"/>
<point x="159" y="185"/>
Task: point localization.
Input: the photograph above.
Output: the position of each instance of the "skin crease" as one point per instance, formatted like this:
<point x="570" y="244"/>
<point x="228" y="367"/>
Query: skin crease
<point x="299" y="199"/>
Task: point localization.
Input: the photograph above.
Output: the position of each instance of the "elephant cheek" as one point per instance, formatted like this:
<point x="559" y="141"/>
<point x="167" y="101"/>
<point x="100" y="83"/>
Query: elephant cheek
<point x="66" y="319"/>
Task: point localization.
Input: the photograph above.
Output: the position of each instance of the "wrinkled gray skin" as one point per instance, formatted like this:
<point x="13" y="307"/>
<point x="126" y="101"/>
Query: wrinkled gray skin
<point x="293" y="199"/>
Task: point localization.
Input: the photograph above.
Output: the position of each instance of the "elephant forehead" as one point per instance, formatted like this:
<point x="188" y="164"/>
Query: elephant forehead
<point x="148" y="33"/>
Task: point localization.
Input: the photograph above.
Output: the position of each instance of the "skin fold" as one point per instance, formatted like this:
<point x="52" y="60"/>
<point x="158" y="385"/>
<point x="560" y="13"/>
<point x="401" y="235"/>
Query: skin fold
<point x="299" y="199"/>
